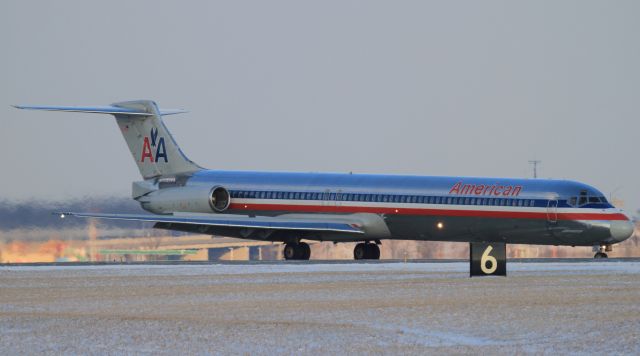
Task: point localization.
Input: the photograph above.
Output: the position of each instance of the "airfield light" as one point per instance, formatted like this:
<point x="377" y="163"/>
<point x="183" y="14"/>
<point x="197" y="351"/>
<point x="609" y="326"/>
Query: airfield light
<point x="440" y="225"/>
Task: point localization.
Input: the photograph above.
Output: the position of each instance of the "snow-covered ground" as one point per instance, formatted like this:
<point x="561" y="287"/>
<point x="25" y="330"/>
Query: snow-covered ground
<point x="355" y="308"/>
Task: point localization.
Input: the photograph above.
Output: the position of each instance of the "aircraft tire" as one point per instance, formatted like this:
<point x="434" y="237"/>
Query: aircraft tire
<point x="360" y="251"/>
<point x="299" y="251"/>
<point x="373" y="251"/>
<point x="305" y="251"/>
<point x="290" y="252"/>
<point x="600" y="255"/>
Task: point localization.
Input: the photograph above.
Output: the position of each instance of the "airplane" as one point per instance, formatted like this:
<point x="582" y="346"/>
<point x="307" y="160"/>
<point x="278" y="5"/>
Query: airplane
<point x="343" y="207"/>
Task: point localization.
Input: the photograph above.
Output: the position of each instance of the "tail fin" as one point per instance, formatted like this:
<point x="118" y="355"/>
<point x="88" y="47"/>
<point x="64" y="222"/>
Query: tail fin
<point x="153" y="148"/>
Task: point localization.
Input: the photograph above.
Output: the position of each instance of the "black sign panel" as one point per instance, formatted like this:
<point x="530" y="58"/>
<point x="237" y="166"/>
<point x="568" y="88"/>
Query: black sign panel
<point x="487" y="259"/>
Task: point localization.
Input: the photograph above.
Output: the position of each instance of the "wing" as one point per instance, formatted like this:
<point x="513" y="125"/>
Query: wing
<point x="234" y="221"/>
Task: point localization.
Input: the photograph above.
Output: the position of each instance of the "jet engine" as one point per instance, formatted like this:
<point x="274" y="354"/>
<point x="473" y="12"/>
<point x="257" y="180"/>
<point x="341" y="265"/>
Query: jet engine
<point x="187" y="199"/>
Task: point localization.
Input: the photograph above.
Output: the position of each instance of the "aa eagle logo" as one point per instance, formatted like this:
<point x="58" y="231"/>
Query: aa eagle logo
<point x="157" y="143"/>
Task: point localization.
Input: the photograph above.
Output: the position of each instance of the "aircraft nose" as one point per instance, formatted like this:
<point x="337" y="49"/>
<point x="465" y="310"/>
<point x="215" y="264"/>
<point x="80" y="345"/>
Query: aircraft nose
<point x="621" y="230"/>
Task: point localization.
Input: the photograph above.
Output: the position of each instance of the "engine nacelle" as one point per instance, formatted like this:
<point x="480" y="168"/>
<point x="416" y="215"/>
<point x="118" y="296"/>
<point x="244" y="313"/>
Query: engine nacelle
<point x="187" y="199"/>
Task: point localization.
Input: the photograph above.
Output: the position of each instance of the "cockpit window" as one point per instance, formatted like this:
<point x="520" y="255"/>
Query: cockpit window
<point x="584" y="199"/>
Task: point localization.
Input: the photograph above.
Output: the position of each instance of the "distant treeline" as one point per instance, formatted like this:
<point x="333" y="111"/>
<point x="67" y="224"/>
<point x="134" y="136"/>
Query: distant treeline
<point x="34" y="214"/>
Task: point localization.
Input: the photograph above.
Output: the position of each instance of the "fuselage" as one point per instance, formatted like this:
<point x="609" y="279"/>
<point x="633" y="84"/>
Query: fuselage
<point x="529" y="211"/>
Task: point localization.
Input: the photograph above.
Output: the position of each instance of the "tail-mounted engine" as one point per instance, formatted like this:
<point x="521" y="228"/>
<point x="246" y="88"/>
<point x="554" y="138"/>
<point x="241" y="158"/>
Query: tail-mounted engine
<point x="187" y="199"/>
<point x="219" y="199"/>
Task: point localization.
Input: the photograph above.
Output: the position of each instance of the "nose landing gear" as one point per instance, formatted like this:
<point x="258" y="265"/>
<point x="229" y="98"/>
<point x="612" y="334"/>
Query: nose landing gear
<point x="366" y="251"/>
<point x="601" y="251"/>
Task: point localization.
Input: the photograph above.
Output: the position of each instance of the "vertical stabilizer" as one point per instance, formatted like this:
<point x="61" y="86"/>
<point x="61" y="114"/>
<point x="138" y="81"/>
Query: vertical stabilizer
<point x="153" y="148"/>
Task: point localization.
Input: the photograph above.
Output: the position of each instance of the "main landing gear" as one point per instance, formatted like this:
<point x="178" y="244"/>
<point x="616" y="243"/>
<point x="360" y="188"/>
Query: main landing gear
<point x="601" y="251"/>
<point x="297" y="251"/>
<point x="366" y="251"/>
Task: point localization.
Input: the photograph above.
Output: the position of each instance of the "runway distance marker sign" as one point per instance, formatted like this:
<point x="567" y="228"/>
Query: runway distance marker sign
<point x="487" y="259"/>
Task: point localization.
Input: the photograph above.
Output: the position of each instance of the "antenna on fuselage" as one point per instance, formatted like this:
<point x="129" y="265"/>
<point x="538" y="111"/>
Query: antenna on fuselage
<point x="535" y="164"/>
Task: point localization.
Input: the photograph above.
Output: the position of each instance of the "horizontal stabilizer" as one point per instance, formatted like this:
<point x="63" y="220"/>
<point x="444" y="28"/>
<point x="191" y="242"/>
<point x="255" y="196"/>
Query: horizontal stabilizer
<point x="115" y="110"/>
<point x="228" y="220"/>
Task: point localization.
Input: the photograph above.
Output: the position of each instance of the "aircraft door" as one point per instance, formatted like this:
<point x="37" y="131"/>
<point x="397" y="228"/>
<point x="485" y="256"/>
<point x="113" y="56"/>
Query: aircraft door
<point x="552" y="211"/>
<point x="326" y="198"/>
<point x="331" y="197"/>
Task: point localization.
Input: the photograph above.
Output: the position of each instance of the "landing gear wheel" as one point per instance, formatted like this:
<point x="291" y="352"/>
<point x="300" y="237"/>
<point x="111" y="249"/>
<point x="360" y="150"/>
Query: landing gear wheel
<point x="373" y="251"/>
<point x="600" y="255"/>
<point x="290" y="251"/>
<point x="366" y="251"/>
<point x="305" y="251"/>
<point x="360" y="251"/>
<point x="299" y="251"/>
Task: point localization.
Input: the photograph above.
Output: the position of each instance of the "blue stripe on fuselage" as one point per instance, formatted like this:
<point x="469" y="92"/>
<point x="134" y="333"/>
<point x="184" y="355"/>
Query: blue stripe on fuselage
<point x="540" y="190"/>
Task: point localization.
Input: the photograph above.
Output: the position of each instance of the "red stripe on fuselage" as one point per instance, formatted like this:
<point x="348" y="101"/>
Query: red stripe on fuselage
<point x="427" y="212"/>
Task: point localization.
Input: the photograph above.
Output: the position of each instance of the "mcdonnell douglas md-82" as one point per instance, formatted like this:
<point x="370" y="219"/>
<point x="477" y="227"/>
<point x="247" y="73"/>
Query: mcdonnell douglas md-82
<point x="364" y="208"/>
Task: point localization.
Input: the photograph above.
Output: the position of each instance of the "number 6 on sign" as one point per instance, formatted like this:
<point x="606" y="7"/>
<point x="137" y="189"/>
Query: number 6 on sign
<point x="487" y="259"/>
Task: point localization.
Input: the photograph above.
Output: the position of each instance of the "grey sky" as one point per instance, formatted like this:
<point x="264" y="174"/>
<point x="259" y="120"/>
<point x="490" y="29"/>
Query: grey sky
<point x="434" y="88"/>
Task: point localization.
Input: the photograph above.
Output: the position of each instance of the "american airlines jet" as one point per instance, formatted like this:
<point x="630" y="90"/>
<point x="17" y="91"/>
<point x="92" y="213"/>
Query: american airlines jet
<point x="364" y="208"/>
